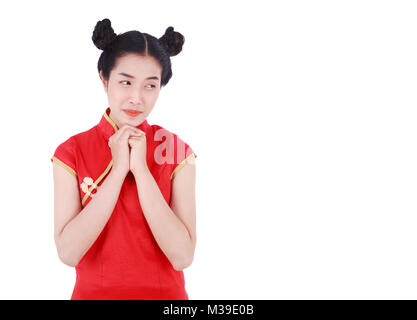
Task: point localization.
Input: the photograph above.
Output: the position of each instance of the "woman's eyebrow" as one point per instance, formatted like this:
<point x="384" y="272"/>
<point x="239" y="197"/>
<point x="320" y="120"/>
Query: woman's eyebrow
<point x="130" y="76"/>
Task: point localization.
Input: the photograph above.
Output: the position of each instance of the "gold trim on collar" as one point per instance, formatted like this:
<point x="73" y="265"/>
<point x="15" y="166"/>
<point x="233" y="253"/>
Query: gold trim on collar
<point x="64" y="165"/>
<point x="114" y="125"/>
<point x="183" y="163"/>
<point x="95" y="184"/>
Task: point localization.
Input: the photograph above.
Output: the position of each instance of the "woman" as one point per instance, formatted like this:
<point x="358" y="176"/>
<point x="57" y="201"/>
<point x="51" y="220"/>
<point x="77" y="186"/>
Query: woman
<point x="124" y="190"/>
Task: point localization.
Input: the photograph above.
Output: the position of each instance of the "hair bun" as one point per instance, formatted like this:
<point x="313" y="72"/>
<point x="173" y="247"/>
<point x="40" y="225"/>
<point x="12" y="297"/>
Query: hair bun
<point x="103" y="34"/>
<point x="172" y="41"/>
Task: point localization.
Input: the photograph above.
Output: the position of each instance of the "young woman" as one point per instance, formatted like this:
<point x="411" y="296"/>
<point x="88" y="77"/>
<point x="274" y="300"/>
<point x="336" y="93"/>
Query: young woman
<point x="124" y="190"/>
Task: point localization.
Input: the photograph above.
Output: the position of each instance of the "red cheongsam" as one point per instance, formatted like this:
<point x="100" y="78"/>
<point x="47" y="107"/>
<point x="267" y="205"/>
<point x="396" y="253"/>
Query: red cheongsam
<point x="125" y="262"/>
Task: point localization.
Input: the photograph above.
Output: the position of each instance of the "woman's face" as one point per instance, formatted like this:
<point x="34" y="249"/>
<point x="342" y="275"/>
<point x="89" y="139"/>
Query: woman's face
<point x="134" y="83"/>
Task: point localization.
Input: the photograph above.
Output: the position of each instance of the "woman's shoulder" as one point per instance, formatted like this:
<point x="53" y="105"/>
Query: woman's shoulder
<point x="160" y="131"/>
<point x="171" y="148"/>
<point x="161" y="134"/>
<point x="66" y="151"/>
<point x="81" y="139"/>
<point x="86" y="135"/>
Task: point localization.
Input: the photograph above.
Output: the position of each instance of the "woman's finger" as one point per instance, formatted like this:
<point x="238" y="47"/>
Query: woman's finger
<point x="139" y="132"/>
<point x="135" y="138"/>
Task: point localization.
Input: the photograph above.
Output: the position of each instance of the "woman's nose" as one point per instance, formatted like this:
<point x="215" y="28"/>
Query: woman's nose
<point x="135" y="96"/>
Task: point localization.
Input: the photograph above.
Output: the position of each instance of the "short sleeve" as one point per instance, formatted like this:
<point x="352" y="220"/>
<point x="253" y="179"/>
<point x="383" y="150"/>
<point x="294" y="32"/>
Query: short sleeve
<point x="64" y="156"/>
<point x="183" y="154"/>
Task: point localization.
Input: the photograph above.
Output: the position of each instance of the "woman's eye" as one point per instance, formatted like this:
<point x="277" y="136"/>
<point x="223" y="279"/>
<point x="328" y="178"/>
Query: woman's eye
<point x="128" y="82"/>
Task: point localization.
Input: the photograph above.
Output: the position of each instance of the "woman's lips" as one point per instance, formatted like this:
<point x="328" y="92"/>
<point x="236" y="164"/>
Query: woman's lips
<point x="132" y="113"/>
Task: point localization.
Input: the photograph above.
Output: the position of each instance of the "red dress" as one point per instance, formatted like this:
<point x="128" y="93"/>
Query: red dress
<point x="125" y="262"/>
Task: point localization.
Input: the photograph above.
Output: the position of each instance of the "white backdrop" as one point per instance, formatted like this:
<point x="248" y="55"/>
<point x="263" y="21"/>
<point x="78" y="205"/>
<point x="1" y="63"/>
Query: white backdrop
<point x="302" y="115"/>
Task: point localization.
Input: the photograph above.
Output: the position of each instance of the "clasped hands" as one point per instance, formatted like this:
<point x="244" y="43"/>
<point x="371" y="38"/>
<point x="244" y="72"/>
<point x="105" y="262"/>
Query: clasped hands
<point x="128" y="148"/>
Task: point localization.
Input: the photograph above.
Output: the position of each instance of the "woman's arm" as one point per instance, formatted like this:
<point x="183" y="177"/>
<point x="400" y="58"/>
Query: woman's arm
<point x="172" y="226"/>
<point x="76" y="230"/>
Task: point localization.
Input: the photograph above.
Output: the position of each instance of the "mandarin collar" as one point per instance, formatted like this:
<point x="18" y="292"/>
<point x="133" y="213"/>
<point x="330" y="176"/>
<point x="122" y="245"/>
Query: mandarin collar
<point x="109" y="127"/>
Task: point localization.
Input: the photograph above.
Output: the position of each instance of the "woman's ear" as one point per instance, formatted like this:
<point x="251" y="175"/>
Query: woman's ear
<point x="104" y="81"/>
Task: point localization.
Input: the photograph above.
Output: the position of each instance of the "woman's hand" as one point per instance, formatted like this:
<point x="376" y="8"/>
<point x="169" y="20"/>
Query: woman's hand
<point x="119" y="146"/>
<point x="138" y="153"/>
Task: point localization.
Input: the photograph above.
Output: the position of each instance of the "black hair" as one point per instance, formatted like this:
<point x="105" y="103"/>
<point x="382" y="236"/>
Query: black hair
<point x="115" y="46"/>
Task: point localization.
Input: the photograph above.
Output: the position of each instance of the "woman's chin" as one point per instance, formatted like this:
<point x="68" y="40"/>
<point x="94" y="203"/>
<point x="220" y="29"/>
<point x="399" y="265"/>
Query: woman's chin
<point x="133" y="121"/>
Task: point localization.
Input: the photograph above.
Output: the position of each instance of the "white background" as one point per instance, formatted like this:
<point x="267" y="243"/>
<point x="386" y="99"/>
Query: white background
<point x="302" y="115"/>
